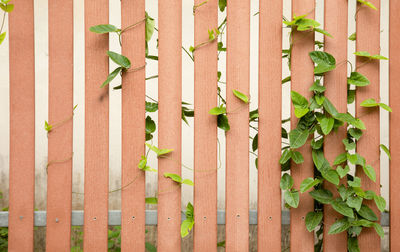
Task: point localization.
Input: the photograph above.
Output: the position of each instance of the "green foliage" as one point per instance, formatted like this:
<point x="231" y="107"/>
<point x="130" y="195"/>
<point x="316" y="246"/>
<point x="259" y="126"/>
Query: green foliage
<point x="313" y="219"/>
<point x="372" y="103"/>
<point x="368" y="4"/>
<point x="178" y="179"/>
<point x="188" y="223"/>
<point x="324" y="61"/>
<point x="369" y="56"/>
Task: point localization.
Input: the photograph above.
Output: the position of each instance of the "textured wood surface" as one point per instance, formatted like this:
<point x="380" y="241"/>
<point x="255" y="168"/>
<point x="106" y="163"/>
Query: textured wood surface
<point x="237" y="138"/>
<point x="96" y="129"/>
<point x="368" y="39"/>
<point x="269" y="135"/>
<point x="394" y="94"/>
<point x="59" y="170"/>
<point x="205" y="129"/>
<point x="302" y="79"/>
<point x="133" y="128"/>
<point x="22" y="127"/>
<point x="336" y="91"/>
<point x="169" y="123"/>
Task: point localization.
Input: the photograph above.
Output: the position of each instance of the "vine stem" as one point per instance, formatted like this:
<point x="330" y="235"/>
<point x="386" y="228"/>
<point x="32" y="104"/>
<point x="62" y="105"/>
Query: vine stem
<point x="2" y="23"/>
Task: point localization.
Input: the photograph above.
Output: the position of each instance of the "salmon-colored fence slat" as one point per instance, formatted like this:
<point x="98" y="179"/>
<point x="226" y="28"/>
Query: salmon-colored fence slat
<point x="394" y="94"/>
<point x="96" y="129"/>
<point x="133" y="128"/>
<point x="22" y="127"/>
<point x="302" y="78"/>
<point x="237" y="138"/>
<point x="59" y="169"/>
<point x="169" y="123"/>
<point x="205" y="129"/>
<point x="269" y="135"/>
<point x="336" y="91"/>
<point x="368" y="39"/>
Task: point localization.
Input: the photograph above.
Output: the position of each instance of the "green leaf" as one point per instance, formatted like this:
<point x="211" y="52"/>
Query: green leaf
<point x="379" y="230"/>
<point x="328" y="106"/>
<point x="353" y="37"/>
<point x="327" y="125"/>
<point x="222" y="5"/>
<point x="7" y="7"/>
<point x="111" y="76"/>
<point x="150" y="125"/>
<point x="348" y="118"/>
<point x="369" y="56"/>
<point x="352" y="244"/>
<point x="322" y="31"/>
<point x="286" y="155"/>
<point x="298" y="138"/>
<point x="300" y="104"/>
<point x="341" y="158"/>
<point x="367" y="213"/>
<point x="322" y="195"/>
<point x="149" y="27"/>
<point x="370" y="172"/>
<point x="356" y="133"/>
<point x="103" y="28"/>
<point x="349" y="145"/>
<point x="355" y="183"/>
<point x="48" y="127"/>
<point x="351" y="96"/>
<point x="286" y="182"/>
<point x="316" y="87"/>
<point x="330" y="175"/>
<point x="354" y="201"/>
<point x="186" y="226"/>
<point x="297" y="157"/>
<point x="119" y="59"/>
<point x="187" y="182"/>
<point x="2" y="37"/>
<point x="223" y="123"/>
<point x="380" y="202"/>
<point x="339" y="226"/>
<point x="317" y="144"/>
<point x="308" y="183"/>
<point x="174" y="177"/>
<point x="151" y="107"/>
<point x="358" y="80"/>
<point x="158" y="151"/>
<point x="241" y="96"/>
<point x="313" y="219"/>
<point x="366" y="3"/>
<point x="254" y="145"/>
<point x="386" y="150"/>
<point x="217" y="110"/>
<point x="342" y="171"/>
<point x="292" y="198"/>
<point x="319" y="99"/>
<point x="372" y="103"/>
<point x="325" y="61"/>
<point x="342" y="208"/>
<point x="319" y="159"/>
<point x="152" y="200"/>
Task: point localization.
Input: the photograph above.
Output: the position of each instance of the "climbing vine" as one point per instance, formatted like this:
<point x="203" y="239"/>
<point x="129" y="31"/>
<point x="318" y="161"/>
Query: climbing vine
<point x="7" y="8"/>
<point x="317" y="118"/>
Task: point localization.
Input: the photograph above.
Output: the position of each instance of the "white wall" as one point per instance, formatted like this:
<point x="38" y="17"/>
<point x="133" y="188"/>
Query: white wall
<point x="41" y="53"/>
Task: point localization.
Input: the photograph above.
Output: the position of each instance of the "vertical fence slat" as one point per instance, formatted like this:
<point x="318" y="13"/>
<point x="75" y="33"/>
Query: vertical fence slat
<point x="169" y="121"/>
<point x="336" y="92"/>
<point x="96" y="129"/>
<point x="394" y="94"/>
<point x="22" y="127"/>
<point x="302" y="78"/>
<point x="269" y="135"/>
<point x="368" y="39"/>
<point x="205" y="129"/>
<point x="237" y="138"/>
<point x="59" y="173"/>
<point x="133" y="128"/>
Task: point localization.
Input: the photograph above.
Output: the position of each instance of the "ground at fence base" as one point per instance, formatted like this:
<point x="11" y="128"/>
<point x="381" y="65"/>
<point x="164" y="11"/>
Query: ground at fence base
<point x="187" y="242"/>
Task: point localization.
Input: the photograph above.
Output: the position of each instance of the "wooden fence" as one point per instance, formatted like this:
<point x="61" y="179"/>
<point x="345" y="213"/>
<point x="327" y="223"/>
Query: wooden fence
<point x="22" y="132"/>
